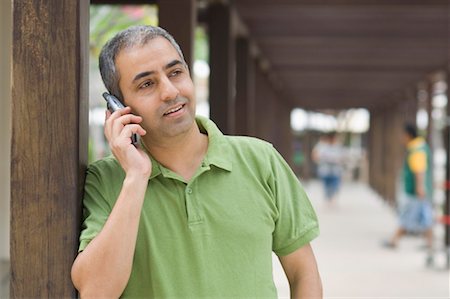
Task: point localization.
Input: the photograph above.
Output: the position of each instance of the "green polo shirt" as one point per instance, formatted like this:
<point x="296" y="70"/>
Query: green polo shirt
<point x="211" y="237"/>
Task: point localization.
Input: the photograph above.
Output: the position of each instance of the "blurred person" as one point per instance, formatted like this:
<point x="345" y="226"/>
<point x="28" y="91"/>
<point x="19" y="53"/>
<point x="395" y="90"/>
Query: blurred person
<point x="416" y="213"/>
<point x="190" y="212"/>
<point x="329" y="155"/>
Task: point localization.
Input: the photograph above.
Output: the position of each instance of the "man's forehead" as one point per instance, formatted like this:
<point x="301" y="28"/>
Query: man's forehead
<point x="153" y="44"/>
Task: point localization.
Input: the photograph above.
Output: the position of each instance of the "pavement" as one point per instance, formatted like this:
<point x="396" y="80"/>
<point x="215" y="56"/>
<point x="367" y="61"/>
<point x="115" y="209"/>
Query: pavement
<point x="352" y="261"/>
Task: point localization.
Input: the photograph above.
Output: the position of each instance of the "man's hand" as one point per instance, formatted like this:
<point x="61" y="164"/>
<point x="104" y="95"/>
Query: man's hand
<point x="119" y="127"/>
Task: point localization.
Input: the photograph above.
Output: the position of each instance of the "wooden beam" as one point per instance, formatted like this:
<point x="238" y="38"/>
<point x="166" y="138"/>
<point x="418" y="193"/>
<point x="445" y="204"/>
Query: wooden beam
<point x="370" y="81"/>
<point x="49" y="143"/>
<point x="123" y="2"/>
<point x="348" y="2"/>
<point x="179" y="18"/>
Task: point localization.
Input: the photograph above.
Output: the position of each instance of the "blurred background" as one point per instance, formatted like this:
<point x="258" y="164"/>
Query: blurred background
<point x="291" y="72"/>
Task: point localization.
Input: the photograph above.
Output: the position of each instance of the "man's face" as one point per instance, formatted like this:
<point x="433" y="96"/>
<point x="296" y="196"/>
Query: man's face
<point x="406" y="138"/>
<point x="156" y="84"/>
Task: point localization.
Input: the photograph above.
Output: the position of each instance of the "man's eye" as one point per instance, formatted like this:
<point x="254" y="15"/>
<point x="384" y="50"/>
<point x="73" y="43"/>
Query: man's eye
<point x="146" y="84"/>
<point x="175" y="73"/>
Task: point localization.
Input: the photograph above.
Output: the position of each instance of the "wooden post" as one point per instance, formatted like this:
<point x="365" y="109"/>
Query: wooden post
<point x="265" y="110"/>
<point x="245" y="86"/>
<point x="447" y="175"/>
<point x="5" y="144"/>
<point x="49" y="143"/>
<point x="222" y="65"/>
<point x="179" y="18"/>
<point x="285" y="141"/>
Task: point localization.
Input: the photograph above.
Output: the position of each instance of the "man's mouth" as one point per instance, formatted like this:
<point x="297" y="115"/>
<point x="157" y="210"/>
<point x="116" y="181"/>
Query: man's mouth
<point x="175" y="109"/>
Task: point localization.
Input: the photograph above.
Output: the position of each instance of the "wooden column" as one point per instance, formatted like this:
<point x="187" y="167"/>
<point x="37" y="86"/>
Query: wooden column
<point x="245" y="88"/>
<point x="447" y="175"/>
<point x="370" y="149"/>
<point x="284" y="138"/>
<point x="5" y="131"/>
<point x="222" y="65"/>
<point x="376" y="155"/>
<point x="179" y="18"/>
<point x="390" y="142"/>
<point x="265" y="109"/>
<point x="49" y="143"/>
<point x="429" y="106"/>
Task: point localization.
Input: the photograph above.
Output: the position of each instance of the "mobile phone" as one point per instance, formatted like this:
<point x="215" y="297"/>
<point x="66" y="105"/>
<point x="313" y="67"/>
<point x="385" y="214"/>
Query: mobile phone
<point x="113" y="104"/>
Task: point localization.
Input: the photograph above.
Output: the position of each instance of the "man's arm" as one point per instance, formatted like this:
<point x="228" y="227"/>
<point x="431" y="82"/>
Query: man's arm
<point x="420" y="185"/>
<point x="102" y="270"/>
<point x="302" y="273"/>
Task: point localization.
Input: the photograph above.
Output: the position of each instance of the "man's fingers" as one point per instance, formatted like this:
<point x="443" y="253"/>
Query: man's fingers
<point x="115" y="121"/>
<point x="125" y="135"/>
<point x="123" y="121"/>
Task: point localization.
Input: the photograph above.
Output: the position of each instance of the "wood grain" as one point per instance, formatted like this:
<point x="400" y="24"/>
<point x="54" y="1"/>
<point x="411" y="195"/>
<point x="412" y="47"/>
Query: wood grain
<point x="49" y="143"/>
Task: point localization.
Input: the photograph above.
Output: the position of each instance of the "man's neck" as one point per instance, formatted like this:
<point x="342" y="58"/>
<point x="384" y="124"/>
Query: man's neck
<point x="182" y="154"/>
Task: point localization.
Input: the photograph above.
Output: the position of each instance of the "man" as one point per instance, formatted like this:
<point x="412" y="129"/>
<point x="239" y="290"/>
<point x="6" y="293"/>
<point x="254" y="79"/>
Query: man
<point x="329" y="155"/>
<point x="190" y="213"/>
<point x="417" y="215"/>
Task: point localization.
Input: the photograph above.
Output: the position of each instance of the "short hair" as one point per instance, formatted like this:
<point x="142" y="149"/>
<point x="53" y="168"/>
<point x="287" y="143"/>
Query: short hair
<point x="410" y="129"/>
<point x="128" y="38"/>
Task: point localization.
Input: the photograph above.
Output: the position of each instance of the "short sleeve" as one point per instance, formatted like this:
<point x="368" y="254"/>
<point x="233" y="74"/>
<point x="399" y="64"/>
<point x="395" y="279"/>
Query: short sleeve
<point x="96" y="208"/>
<point x="418" y="161"/>
<point x="296" y="224"/>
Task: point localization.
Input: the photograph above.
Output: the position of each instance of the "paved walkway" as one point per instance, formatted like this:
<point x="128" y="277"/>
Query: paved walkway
<point x="351" y="260"/>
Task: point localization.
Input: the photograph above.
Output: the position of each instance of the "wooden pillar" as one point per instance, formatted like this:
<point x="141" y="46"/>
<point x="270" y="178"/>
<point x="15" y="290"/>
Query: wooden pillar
<point x="429" y="107"/>
<point x="5" y="144"/>
<point x="179" y="18"/>
<point x="411" y="106"/>
<point x="265" y="110"/>
<point x="376" y="154"/>
<point x="284" y="138"/>
<point x="447" y="175"/>
<point x="245" y="88"/>
<point x="394" y="151"/>
<point x="370" y="149"/>
<point x="390" y="141"/>
<point x="49" y="143"/>
<point x="222" y="66"/>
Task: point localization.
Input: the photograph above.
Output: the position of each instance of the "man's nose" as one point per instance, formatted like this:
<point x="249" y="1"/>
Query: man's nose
<point x="168" y="90"/>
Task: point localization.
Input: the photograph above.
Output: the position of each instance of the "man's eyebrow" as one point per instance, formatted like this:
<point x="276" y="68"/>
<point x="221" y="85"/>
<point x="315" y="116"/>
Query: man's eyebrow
<point x="141" y="75"/>
<point x="147" y="73"/>
<point x="173" y="63"/>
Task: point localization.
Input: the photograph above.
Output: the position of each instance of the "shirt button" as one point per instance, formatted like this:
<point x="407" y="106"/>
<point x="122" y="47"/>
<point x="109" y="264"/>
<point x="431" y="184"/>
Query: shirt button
<point x="189" y="190"/>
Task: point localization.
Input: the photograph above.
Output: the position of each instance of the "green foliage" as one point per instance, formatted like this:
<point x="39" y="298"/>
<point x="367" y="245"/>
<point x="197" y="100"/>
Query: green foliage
<point x="201" y="47"/>
<point x="107" y="20"/>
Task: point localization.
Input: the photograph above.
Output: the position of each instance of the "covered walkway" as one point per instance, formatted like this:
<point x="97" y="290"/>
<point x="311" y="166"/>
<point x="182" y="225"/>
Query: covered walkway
<point x="353" y="263"/>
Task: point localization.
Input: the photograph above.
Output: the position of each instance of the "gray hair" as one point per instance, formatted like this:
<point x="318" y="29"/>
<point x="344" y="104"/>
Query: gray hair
<point x="128" y="38"/>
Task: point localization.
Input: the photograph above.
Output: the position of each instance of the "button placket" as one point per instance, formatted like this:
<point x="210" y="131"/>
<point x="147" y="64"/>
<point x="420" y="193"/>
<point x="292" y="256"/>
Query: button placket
<point x="192" y="206"/>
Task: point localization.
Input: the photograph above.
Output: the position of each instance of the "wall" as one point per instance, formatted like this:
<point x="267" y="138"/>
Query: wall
<point x="5" y="125"/>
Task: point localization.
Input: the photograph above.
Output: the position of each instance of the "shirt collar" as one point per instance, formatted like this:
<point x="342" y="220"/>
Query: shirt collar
<point x="218" y="147"/>
<point x="418" y="141"/>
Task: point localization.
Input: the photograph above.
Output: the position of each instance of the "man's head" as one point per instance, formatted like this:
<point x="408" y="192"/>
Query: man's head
<point x="144" y="67"/>
<point x="128" y="38"/>
<point x="410" y="132"/>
